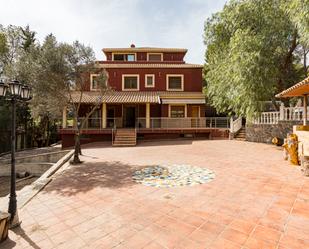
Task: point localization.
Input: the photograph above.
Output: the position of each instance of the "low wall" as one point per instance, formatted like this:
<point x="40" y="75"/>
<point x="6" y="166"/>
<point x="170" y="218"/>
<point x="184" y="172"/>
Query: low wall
<point x="209" y="133"/>
<point x="68" y="139"/>
<point x="263" y="133"/>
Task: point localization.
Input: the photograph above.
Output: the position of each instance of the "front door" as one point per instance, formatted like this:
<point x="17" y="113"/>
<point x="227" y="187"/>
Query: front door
<point x="111" y="117"/>
<point x="195" y="116"/>
<point x="130" y="116"/>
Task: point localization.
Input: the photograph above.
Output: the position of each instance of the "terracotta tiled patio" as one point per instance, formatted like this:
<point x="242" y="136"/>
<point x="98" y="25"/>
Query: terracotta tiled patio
<point x="257" y="200"/>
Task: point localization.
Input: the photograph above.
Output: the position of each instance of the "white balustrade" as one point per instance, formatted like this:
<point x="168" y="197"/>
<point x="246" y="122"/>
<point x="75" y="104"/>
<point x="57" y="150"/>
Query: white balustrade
<point x="285" y="114"/>
<point x="236" y="125"/>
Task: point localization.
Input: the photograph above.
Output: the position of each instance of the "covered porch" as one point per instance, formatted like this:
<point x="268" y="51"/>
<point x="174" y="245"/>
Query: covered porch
<point x="147" y="116"/>
<point x="150" y="114"/>
<point x="144" y="110"/>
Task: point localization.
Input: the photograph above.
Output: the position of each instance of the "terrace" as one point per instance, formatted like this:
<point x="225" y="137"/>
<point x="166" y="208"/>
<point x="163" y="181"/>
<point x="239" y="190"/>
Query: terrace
<point x="255" y="200"/>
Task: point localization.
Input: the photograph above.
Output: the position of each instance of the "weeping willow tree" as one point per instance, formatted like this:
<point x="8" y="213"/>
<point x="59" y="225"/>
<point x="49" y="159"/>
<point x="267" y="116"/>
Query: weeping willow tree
<point x="253" y="52"/>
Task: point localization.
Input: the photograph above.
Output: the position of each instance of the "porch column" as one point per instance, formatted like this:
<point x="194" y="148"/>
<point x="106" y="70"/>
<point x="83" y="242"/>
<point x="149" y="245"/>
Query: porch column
<point x="104" y="115"/>
<point x="305" y="109"/>
<point x="147" y="115"/>
<point x="64" y="117"/>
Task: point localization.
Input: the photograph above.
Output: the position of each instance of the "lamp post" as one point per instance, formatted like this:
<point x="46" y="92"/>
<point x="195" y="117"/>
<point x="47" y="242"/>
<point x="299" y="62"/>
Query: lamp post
<point x="14" y="92"/>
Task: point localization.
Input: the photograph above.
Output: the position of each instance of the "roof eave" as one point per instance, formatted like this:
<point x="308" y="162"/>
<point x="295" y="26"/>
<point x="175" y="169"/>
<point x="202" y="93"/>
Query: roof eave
<point x="154" y="50"/>
<point x="299" y="89"/>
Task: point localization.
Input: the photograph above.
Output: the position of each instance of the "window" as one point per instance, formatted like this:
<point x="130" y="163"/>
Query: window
<point x="94" y="82"/>
<point x="118" y="57"/>
<point x="155" y="57"/>
<point x="130" y="82"/>
<point x="130" y="57"/>
<point x="177" y="111"/>
<point x="149" y="80"/>
<point x="124" y="57"/>
<point x="174" y="82"/>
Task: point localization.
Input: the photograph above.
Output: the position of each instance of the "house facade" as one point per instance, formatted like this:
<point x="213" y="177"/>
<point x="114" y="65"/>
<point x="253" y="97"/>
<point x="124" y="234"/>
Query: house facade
<point x="154" y="91"/>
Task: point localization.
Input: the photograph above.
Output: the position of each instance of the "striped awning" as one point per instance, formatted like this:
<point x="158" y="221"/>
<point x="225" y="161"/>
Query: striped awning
<point x="135" y="97"/>
<point x="299" y="89"/>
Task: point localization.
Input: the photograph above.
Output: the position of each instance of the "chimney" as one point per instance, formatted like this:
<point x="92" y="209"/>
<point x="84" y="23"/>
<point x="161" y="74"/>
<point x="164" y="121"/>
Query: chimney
<point x="132" y="45"/>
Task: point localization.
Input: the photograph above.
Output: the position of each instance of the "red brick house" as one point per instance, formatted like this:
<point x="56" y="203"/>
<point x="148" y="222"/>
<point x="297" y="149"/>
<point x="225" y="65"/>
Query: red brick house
<point x="155" y="94"/>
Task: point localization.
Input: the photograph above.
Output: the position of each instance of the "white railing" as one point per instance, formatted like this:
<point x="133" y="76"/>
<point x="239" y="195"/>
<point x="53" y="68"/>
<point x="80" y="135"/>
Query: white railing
<point x="293" y="113"/>
<point x="91" y="123"/>
<point x="159" y="123"/>
<point x="235" y="125"/>
<point x="268" y="118"/>
<point x="96" y="123"/>
<point x="183" y="123"/>
<point x="285" y="114"/>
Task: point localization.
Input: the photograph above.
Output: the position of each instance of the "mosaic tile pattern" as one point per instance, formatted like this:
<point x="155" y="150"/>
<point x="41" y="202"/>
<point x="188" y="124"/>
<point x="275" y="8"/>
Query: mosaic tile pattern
<point x="173" y="175"/>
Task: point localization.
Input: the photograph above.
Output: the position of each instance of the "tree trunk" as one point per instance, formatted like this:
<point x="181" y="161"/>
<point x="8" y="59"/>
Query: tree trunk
<point x="77" y="149"/>
<point x="288" y="60"/>
<point x="275" y="104"/>
<point x="47" y="131"/>
<point x="80" y="147"/>
<point x="305" y="62"/>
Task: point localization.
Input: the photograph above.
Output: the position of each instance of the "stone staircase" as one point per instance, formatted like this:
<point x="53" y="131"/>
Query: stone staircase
<point x="124" y="137"/>
<point x="241" y="134"/>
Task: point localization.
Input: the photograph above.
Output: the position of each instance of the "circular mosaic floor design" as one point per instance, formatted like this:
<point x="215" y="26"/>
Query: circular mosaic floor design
<point x="173" y="176"/>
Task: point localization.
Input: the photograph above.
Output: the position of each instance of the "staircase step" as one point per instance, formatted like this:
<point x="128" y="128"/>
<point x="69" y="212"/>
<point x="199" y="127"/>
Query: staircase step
<point x="241" y="135"/>
<point x="124" y="140"/>
<point x="125" y="137"/>
<point x="123" y="145"/>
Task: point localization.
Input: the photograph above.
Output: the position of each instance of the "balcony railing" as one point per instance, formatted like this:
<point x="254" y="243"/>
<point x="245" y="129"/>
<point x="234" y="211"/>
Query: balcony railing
<point x="114" y="123"/>
<point x="159" y="123"/>
<point x="183" y="123"/>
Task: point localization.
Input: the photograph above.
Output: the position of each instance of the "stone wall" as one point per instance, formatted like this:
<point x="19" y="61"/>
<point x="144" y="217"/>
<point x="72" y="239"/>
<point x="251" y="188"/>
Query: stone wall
<point x="263" y="133"/>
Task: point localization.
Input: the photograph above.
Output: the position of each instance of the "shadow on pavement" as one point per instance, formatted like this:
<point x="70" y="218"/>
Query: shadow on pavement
<point x="90" y="175"/>
<point x="8" y="244"/>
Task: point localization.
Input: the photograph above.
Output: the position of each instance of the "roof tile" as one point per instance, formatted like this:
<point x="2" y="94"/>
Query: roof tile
<point x="131" y="96"/>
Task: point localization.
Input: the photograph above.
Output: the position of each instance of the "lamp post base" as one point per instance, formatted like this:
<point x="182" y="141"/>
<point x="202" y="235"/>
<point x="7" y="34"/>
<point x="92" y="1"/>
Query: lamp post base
<point x="15" y="222"/>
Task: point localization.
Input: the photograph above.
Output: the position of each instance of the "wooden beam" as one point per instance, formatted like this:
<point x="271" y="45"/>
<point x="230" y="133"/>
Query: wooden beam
<point x="104" y="115"/>
<point x="64" y="117"/>
<point x="305" y="109"/>
<point x="147" y="115"/>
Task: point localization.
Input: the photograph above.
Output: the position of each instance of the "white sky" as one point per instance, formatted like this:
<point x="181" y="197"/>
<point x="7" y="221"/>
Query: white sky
<point x="117" y="23"/>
